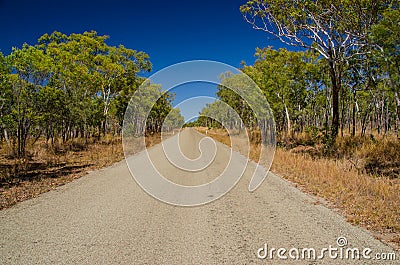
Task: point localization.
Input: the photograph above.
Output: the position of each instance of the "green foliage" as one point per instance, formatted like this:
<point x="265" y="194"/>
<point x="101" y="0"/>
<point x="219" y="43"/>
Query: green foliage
<point x="174" y="120"/>
<point x="337" y="30"/>
<point x="298" y="88"/>
<point x="218" y="113"/>
<point x="66" y="86"/>
<point x="288" y="80"/>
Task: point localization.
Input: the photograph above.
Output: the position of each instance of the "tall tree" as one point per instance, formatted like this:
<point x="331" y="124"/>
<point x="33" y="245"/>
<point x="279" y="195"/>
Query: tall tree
<point x="337" y="30"/>
<point x="86" y="68"/>
<point x="287" y="80"/>
<point x="32" y="70"/>
<point x="5" y="97"/>
<point x="113" y="67"/>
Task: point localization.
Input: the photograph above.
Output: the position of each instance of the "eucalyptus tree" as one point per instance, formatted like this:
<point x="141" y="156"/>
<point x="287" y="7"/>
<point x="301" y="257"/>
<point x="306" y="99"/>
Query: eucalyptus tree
<point x="5" y="97"/>
<point x="70" y="86"/>
<point x="51" y="109"/>
<point x="113" y="67"/>
<point x="159" y="111"/>
<point x="287" y="79"/>
<point x="337" y="30"/>
<point x="226" y="93"/>
<point x="147" y="110"/>
<point x="73" y="68"/>
<point x="31" y="73"/>
<point x="91" y="74"/>
<point x="173" y="121"/>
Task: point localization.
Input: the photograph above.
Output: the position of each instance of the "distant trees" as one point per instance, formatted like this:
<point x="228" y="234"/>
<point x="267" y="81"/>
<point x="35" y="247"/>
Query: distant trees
<point x="150" y="111"/>
<point x="69" y="86"/>
<point x="217" y="114"/>
<point x="173" y="121"/>
<point x="289" y="81"/>
<point x="386" y="36"/>
<point x="298" y="88"/>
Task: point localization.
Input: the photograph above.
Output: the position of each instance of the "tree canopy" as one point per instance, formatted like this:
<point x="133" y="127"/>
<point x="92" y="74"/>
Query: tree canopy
<point x="69" y="86"/>
<point x="337" y="30"/>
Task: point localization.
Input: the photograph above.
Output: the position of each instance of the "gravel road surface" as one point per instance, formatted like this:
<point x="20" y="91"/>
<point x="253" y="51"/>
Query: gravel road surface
<point x="106" y="218"/>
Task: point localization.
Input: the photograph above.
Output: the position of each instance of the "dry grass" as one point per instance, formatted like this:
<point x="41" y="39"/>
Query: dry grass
<point x="374" y="154"/>
<point x="366" y="200"/>
<point x="221" y="135"/>
<point x="47" y="168"/>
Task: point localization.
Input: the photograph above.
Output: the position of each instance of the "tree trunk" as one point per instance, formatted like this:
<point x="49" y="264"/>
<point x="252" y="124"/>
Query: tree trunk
<point x="6" y="138"/>
<point x="335" y="75"/>
<point x="342" y="122"/>
<point x="288" y="123"/>
<point x="397" y="105"/>
<point x="364" y="124"/>
<point x="104" y="127"/>
<point x="353" y="131"/>
<point x="19" y="131"/>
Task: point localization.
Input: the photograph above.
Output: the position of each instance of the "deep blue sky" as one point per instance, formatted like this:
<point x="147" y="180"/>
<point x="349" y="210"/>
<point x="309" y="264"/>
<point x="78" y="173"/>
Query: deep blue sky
<point x="169" y="31"/>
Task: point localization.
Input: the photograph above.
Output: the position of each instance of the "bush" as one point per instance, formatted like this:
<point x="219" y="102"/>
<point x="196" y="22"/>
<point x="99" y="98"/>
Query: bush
<point x="382" y="157"/>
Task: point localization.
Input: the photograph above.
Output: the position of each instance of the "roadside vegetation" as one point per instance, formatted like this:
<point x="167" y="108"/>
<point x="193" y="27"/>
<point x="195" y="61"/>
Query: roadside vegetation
<point x="47" y="168"/>
<point x="62" y="105"/>
<point x="365" y="199"/>
<point x="335" y="101"/>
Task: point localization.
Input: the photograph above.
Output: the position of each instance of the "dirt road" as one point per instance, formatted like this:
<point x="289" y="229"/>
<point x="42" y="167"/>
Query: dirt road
<point x="106" y="218"/>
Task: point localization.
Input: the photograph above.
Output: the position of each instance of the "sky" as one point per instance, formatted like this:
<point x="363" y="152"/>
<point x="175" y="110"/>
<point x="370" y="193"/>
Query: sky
<point x="169" y="31"/>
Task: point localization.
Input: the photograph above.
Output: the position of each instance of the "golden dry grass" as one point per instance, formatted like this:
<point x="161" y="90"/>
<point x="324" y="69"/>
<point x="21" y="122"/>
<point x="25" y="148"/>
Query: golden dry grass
<point x="48" y="168"/>
<point x="365" y="200"/>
